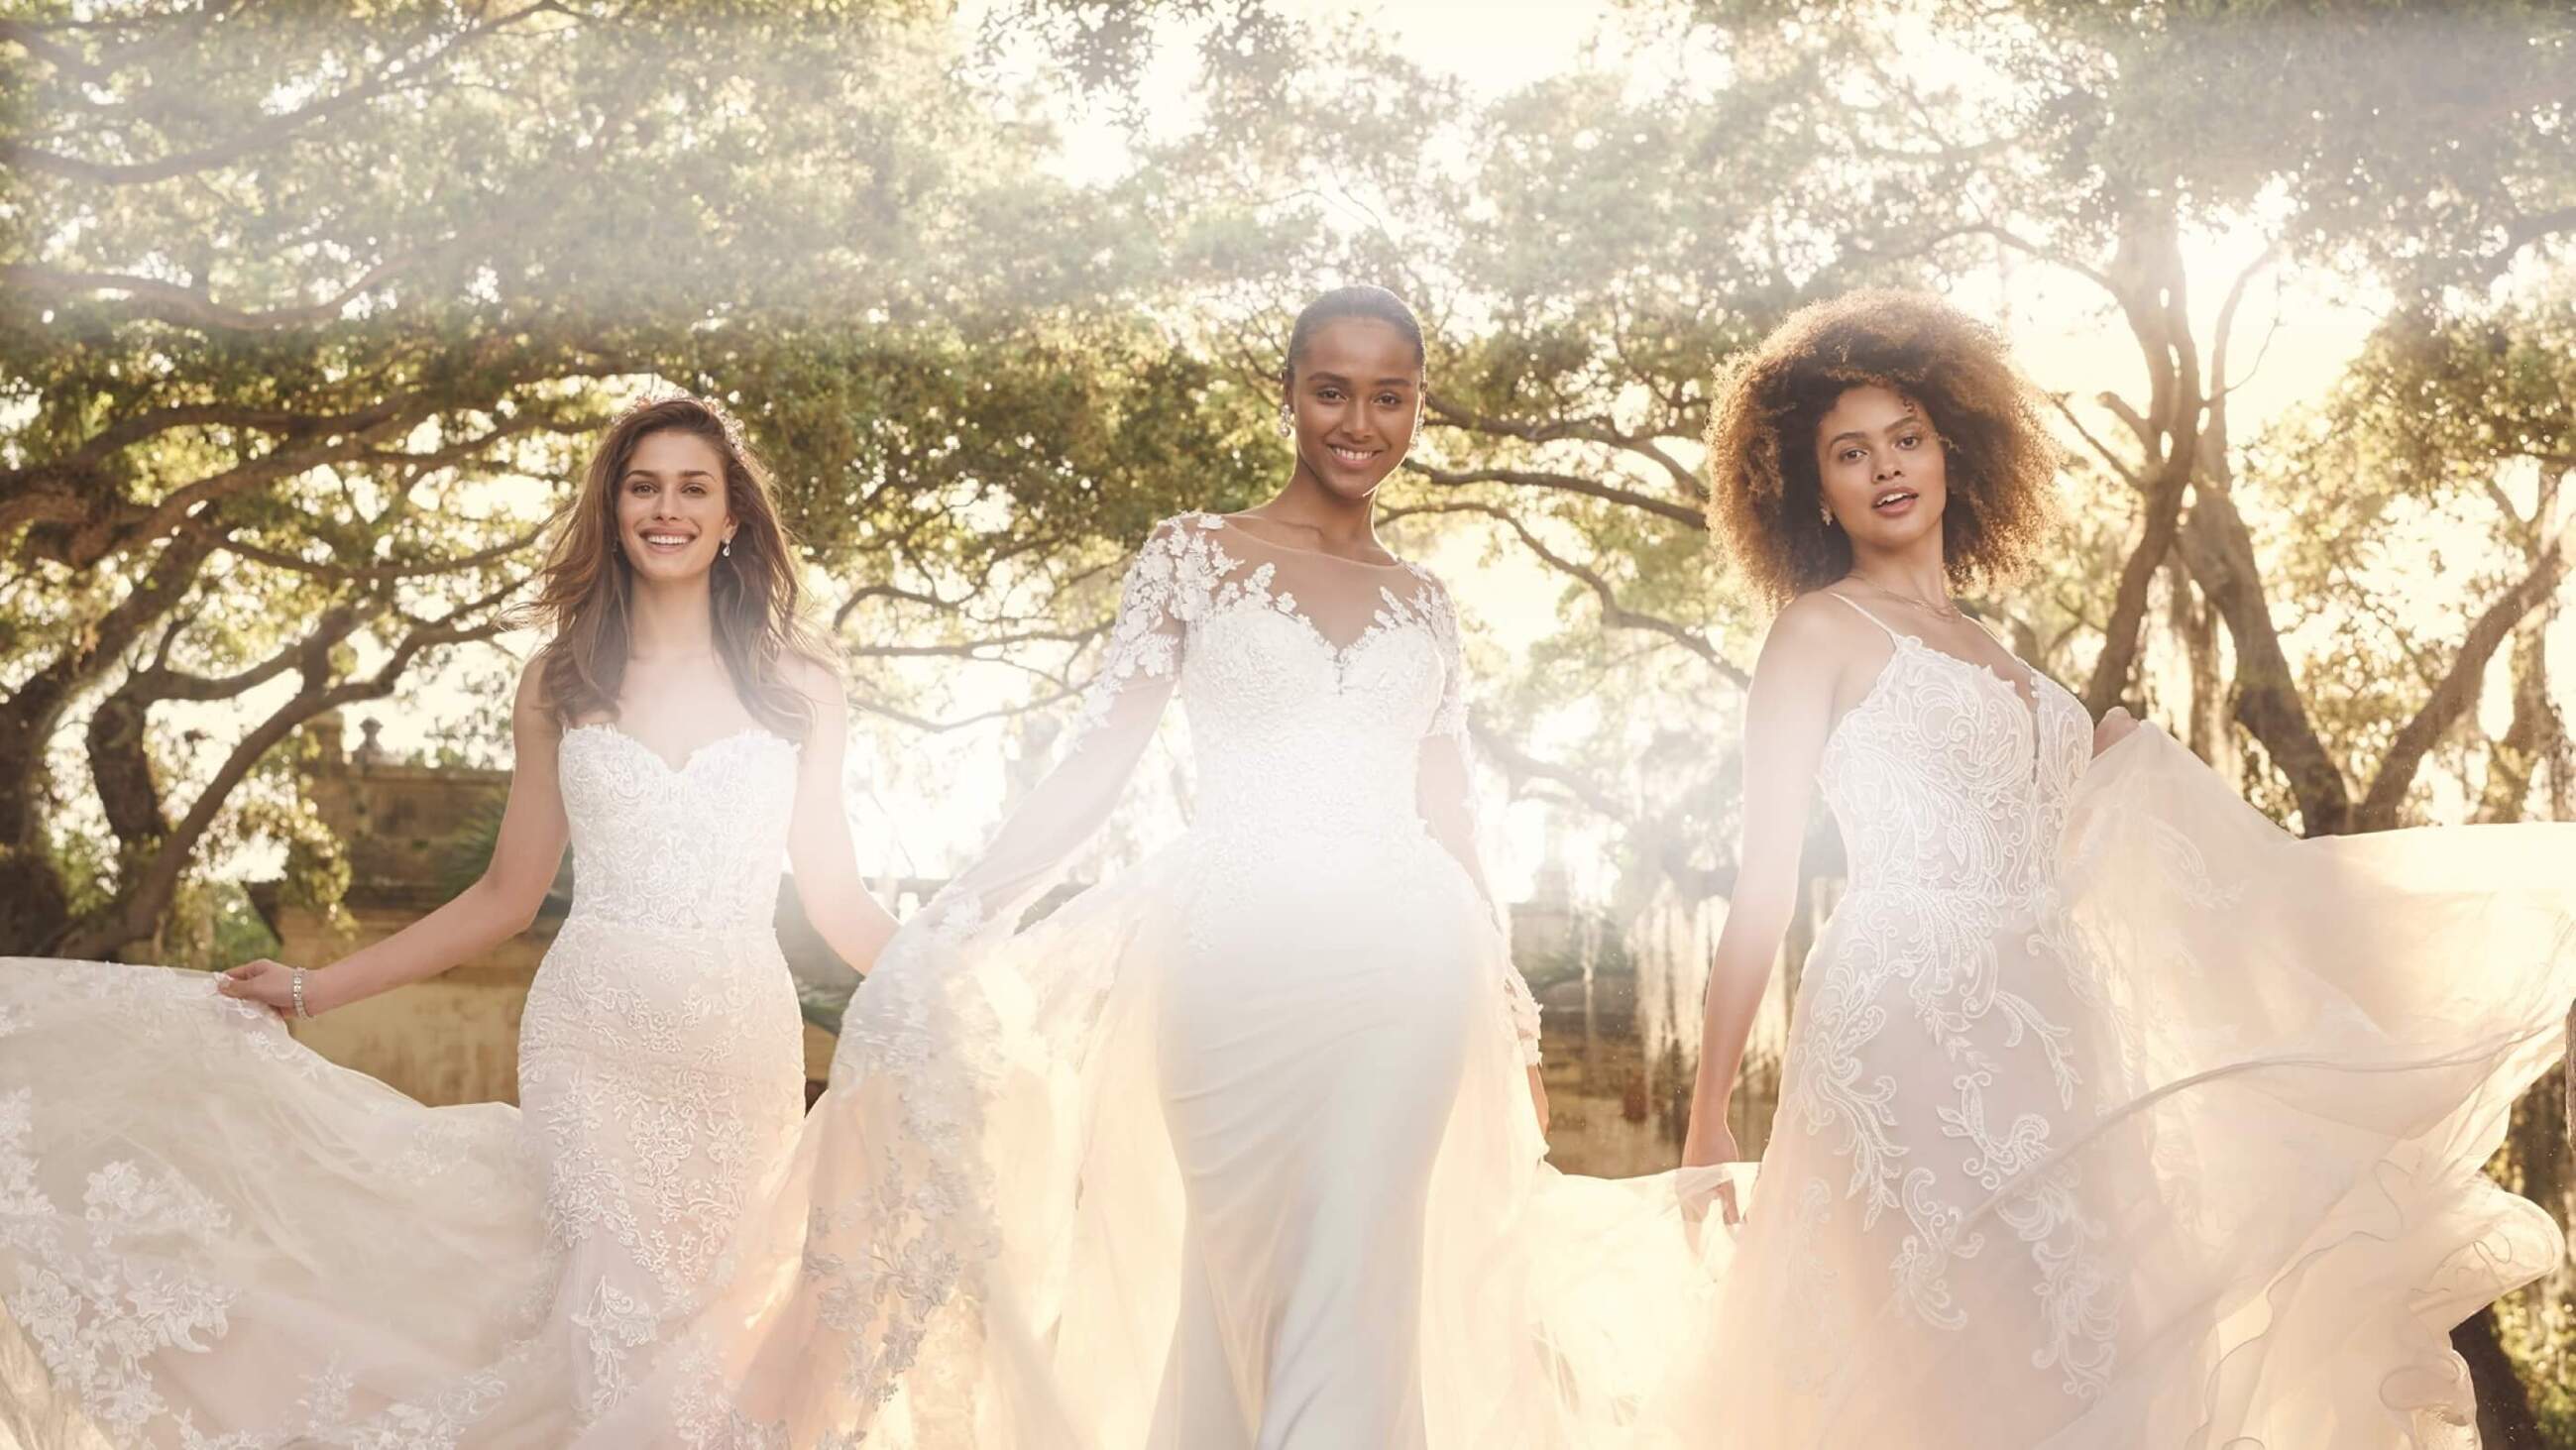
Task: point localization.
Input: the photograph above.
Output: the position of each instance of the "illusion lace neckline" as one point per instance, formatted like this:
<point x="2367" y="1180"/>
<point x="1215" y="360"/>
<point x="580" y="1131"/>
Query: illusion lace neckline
<point x="1231" y="521"/>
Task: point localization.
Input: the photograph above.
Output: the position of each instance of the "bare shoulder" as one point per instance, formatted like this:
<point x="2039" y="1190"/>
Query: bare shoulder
<point x="530" y="702"/>
<point x="816" y="678"/>
<point x="1817" y="636"/>
<point x="1818" y="620"/>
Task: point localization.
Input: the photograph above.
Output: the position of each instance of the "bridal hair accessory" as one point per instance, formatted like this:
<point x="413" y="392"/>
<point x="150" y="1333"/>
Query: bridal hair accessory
<point x="655" y="397"/>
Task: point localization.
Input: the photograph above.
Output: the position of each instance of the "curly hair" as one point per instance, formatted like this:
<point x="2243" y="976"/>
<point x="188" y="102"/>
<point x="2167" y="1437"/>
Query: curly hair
<point x="1763" y="485"/>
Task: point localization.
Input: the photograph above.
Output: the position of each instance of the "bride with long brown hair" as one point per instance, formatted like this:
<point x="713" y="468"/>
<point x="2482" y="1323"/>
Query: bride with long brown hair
<point x="210" y="1235"/>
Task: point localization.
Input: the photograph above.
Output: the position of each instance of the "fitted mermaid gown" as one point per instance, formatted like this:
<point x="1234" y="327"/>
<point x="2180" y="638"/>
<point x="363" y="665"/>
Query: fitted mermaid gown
<point x="1235" y="1150"/>
<point x="2112" y="1116"/>
<point x="209" y="1236"/>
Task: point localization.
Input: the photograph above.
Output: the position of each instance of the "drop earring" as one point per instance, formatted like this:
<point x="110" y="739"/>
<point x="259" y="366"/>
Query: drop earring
<point x="1825" y="513"/>
<point x="726" y="548"/>
<point x="1287" y="422"/>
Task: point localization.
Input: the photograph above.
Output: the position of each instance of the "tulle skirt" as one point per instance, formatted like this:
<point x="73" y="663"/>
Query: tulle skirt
<point x="211" y="1235"/>
<point x="2258" y="1205"/>
<point x="1182" y="1151"/>
<point x="1204" y="1160"/>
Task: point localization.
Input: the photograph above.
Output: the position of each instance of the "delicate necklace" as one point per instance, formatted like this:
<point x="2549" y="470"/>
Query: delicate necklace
<point x="1943" y="610"/>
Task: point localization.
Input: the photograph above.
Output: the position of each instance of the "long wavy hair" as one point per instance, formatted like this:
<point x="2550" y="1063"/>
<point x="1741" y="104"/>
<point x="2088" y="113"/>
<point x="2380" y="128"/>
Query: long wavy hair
<point x="586" y="592"/>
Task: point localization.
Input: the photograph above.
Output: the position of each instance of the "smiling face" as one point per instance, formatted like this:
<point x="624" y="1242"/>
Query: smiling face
<point x="672" y="513"/>
<point x="1881" y="467"/>
<point x="1356" y="399"/>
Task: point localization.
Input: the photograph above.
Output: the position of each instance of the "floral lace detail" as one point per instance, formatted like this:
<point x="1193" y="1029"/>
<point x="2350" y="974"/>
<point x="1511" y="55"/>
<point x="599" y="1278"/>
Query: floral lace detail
<point x="660" y="1080"/>
<point x="659" y="855"/>
<point x="659" y="1053"/>
<point x="1304" y="747"/>
<point x="1912" y="1034"/>
<point x="97" y="1303"/>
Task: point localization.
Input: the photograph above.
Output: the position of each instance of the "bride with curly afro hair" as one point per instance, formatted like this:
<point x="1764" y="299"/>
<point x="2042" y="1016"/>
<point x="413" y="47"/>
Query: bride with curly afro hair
<point x="1767" y="499"/>
<point x="2076" y="1113"/>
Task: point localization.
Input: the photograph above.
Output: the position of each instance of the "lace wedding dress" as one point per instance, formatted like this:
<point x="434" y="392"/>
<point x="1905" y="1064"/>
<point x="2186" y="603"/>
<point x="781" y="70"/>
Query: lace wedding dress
<point x="1232" y="1151"/>
<point x="2115" y="1117"/>
<point x="211" y="1237"/>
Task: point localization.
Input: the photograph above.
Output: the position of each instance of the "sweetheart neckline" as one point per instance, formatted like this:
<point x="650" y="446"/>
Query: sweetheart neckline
<point x="688" y="761"/>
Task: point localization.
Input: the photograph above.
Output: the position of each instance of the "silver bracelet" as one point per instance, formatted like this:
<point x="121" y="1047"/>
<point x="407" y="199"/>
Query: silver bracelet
<point x="296" y="983"/>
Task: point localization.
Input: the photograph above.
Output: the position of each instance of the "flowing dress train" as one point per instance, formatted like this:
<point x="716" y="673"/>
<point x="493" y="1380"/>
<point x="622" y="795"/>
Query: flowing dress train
<point x="211" y="1237"/>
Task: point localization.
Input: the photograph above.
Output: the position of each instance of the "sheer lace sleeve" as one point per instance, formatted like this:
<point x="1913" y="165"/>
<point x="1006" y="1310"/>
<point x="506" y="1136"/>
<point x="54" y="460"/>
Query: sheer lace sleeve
<point x="1449" y="807"/>
<point x="1119" y="712"/>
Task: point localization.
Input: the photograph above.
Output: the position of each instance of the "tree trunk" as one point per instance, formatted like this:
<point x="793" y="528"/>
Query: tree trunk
<point x="2220" y="554"/>
<point x="35" y="906"/>
<point x="2154" y="297"/>
<point x="2532" y="740"/>
<point x="2505" y="1421"/>
<point x="35" y="902"/>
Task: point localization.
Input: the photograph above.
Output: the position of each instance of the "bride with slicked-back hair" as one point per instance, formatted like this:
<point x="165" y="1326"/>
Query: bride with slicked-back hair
<point x="2112" y="1115"/>
<point x="214" y="1237"/>
<point x="1242" y="1148"/>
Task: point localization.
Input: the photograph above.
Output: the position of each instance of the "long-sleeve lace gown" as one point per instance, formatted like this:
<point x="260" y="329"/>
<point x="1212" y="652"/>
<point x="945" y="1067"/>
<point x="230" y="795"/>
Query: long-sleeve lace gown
<point x="2113" y="1116"/>
<point x="1234" y="1150"/>
<point x="211" y="1237"/>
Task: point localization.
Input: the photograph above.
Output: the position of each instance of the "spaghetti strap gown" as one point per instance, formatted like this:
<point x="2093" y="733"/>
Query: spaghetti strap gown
<point x="2113" y="1116"/>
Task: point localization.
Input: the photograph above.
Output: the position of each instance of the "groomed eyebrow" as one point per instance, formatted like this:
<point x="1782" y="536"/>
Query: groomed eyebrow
<point x="1909" y="420"/>
<point x="1338" y="378"/>
<point x="684" y="473"/>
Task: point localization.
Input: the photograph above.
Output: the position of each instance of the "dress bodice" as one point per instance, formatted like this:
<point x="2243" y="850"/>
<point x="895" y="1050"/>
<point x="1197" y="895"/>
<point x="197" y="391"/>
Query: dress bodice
<point x="696" y="848"/>
<point x="1943" y="779"/>
<point x="1310" y="681"/>
<point x="1292" y="732"/>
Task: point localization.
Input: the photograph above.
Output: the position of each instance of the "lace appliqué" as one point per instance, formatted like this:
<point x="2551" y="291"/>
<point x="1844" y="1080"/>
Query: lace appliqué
<point x="1952" y="791"/>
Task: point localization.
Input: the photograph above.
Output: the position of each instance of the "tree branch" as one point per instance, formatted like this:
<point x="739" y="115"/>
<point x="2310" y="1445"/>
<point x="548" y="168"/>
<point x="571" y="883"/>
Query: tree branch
<point x="357" y="573"/>
<point x="2457" y="692"/>
<point x="397" y="76"/>
<point x="186" y="307"/>
<point x="1467" y="419"/>
<point x="1614" y="615"/>
<point x="132" y="916"/>
<point x="1682" y="514"/>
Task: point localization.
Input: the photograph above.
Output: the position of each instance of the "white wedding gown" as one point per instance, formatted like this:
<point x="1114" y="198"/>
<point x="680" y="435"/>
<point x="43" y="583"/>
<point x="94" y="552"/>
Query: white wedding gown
<point x="1234" y="1151"/>
<point x="211" y="1237"/>
<point x="2113" y="1116"/>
